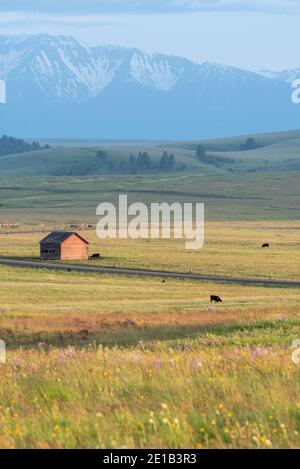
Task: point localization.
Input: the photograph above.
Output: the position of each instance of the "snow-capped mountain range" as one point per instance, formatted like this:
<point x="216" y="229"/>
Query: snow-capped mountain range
<point x="65" y="69"/>
<point x="58" y="86"/>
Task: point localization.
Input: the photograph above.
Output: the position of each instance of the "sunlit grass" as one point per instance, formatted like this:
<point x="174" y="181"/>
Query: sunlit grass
<point x="150" y="397"/>
<point x="183" y="374"/>
<point x="231" y="249"/>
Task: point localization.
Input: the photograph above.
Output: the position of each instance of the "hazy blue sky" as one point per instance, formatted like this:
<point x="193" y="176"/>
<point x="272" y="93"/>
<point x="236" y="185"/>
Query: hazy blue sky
<point x="251" y="34"/>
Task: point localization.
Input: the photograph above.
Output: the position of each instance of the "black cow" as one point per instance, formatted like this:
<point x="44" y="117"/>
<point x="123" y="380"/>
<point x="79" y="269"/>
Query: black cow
<point x="266" y="245"/>
<point x="95" y="257"/>
<point x="215" y="299"/>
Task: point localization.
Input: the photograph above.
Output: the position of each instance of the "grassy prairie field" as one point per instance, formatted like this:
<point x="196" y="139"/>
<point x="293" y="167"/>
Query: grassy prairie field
<point x="184" y="374"/>
<point x="61" y="201"/>
<point x="97" y="361"/>
<point x="231" y="249"/>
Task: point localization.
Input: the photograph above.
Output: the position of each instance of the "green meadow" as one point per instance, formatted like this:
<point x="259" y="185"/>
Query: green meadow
<point x="100" y="361"/>
<point x="182" y="374"/>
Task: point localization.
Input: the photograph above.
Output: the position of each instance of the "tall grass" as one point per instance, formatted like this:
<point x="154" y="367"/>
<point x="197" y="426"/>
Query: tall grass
<point x="157" y="397"/>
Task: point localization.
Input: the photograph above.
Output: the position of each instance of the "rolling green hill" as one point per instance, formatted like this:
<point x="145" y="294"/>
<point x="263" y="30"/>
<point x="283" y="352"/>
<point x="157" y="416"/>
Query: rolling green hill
<point x="275" y="152"/>
<point x="84" y="161"/>
<point x="234" y="143"/>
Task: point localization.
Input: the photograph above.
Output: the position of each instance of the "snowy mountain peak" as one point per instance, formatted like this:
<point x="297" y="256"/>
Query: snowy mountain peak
<point x="154" y="70"/>
<point x="61" y="68"/>
<point x="58" y="86"/>
<point x="66" y="69"/>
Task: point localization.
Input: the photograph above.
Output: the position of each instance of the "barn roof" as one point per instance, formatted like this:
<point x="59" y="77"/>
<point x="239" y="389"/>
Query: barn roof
<point x="58" y="237"/>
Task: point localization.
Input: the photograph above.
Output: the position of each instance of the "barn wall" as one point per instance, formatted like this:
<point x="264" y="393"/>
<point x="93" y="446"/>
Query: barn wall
<point x="50" y="251"/>
<point x="74" y="248"/>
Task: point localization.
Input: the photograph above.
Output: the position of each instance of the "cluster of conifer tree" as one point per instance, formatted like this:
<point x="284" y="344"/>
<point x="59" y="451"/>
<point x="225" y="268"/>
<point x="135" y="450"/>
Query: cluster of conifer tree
<point x="12" y="145"/>
<point x="140" y="163"/>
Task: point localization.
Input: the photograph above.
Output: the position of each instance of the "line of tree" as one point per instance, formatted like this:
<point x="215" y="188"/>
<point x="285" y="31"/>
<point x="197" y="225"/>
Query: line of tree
<point x="12" y="145"/>
<point x="140" y="163"/>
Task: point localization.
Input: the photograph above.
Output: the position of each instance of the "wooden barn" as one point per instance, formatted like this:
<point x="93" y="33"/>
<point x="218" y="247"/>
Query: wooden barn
<point x="61" y="245"/>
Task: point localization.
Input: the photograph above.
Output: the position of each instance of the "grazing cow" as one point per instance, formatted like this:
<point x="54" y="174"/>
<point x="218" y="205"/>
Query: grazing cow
<point x="215" y="299"/>
<point x="266" y="245"/>
<point x="94" y="257"/>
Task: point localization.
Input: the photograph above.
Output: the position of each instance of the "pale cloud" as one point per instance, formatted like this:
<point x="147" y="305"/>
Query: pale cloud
<point x="149" y="6"/>
<point x="248" y="34"/>
<point x="22" y="17"/>
<point x="276" y="6"/>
